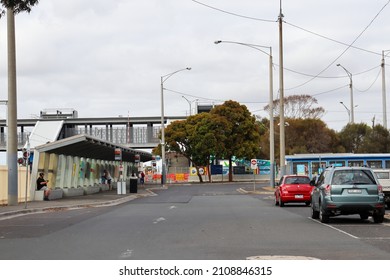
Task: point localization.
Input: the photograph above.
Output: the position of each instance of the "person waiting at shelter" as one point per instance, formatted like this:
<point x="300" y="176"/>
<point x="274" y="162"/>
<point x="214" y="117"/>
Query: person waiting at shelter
<point x="42" y="186"/>
<point x="107" y="178"/>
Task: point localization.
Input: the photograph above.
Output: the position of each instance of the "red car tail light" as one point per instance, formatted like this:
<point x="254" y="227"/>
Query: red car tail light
<point x="380" y="190"/>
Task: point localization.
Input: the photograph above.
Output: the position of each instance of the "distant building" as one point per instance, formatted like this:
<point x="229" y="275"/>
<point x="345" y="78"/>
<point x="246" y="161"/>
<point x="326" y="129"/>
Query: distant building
<point x="204" y="108"/>
<point x="58" y="113"/>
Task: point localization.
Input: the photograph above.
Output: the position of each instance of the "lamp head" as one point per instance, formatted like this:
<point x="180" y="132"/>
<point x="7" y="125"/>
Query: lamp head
<point x="338" y="64"/>
<point x="218" y="42"/>
<point x="188" y="68"/>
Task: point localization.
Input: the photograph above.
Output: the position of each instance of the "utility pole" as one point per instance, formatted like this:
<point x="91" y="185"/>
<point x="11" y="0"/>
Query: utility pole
<point x="281" y="92"/>
<point x="384" y="91"/>
<point x="12" y="145"/>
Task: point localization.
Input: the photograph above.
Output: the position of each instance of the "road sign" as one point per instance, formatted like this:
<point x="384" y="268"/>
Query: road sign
<point x="118" y="154"/>
<point x="253" y="163"/>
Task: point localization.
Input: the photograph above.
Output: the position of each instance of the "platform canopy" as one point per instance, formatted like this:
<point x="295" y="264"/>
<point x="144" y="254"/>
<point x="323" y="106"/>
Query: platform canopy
<point x="90" y="147"/>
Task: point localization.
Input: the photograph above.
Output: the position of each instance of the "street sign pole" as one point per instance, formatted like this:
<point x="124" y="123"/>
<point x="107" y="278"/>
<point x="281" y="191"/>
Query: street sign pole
<point x="27" y="161"/>
<point x="254" y="167"/>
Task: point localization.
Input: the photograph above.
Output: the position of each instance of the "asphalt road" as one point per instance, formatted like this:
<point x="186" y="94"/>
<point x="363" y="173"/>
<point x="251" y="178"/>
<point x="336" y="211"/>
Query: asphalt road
<point x="187" y="222"/>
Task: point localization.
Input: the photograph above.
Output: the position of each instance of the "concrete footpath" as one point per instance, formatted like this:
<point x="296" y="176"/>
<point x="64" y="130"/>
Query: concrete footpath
<point x="106" y="198"/>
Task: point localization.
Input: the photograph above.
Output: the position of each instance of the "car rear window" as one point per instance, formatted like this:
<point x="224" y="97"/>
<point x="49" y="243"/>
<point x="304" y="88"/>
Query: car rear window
<point x="382" y="175"/>
<point x="297" y="180"/>
<point x="353" y="177"/>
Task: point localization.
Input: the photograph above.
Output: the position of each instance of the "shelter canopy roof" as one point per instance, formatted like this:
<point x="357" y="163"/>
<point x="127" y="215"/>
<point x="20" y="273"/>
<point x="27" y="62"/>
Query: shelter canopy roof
<point x="90" y="147"/>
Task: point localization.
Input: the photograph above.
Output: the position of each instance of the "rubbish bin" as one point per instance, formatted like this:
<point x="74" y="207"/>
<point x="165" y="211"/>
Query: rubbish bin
<point x="133" y="185"/>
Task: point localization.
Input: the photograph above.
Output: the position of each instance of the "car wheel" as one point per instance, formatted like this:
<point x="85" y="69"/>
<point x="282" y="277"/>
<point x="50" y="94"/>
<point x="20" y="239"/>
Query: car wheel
<point x="324" y="218"/>
<point x="314" y="213"/>
<point x="307" y="203"/>
<point x="364" y="216"/>
<point x="281" y="203"/>
<point x="378" y="218"/>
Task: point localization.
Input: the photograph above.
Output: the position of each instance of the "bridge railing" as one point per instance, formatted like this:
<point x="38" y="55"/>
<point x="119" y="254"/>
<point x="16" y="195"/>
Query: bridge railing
<point x="135" y="136"/>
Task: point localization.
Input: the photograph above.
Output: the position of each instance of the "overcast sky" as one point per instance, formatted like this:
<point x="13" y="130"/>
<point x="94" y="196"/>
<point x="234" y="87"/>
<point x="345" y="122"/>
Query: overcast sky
<point x="105" y="58"/>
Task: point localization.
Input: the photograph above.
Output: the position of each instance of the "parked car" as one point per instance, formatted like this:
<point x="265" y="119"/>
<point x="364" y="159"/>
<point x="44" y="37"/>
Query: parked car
<point x="293" y="188"/>
<point x="347" y="191"/>
<point x="384" y="179"/>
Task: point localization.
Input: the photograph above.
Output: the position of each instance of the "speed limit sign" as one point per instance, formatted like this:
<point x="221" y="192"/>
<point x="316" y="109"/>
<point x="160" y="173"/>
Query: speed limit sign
<point x="253" y="163"/>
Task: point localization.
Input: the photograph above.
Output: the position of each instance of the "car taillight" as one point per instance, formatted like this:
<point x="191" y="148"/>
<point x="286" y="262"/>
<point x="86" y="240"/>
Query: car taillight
<point x="328" y="189"/>
<point x="380" y="189"/>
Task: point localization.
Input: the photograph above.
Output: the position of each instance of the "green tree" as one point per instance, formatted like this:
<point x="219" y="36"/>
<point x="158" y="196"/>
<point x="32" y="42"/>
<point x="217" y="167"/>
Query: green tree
<point x="17" y="5"/>
<point x="309" y="136"/>
<point x="197" y="138"/>
<point x="376" y="141"/>
<point x="352" y="136"/>
<point x="243" y="134"/>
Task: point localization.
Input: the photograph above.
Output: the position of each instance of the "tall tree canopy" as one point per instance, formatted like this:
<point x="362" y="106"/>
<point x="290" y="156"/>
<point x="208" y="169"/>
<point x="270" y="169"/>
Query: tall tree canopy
<point x="197" y="138"/>
<point x="298" y="107"/>
<point x="352" y="136"/>
<point x="243" y="134"/>
<point x="17" y="5"/>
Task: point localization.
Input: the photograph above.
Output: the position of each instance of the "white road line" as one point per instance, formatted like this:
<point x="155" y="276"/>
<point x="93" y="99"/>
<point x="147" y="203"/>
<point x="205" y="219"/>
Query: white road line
<point x="339" y="230"/>
<point x="161" y="219"/>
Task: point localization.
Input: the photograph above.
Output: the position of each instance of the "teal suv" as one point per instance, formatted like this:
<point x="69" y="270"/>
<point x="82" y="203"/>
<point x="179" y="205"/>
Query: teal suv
<point x="347" y="191"/>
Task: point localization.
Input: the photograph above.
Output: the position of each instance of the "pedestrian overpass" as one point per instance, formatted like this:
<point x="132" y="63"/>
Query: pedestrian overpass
<point x="135" y="132"/>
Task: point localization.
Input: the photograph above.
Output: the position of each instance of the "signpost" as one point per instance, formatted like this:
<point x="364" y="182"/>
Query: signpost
<point x="254" y="168"/>
<point x="26" y="156"/>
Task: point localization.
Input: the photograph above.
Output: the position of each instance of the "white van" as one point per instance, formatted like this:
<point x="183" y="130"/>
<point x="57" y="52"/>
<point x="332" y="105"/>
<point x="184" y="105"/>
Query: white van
<point x="384" y="179"/>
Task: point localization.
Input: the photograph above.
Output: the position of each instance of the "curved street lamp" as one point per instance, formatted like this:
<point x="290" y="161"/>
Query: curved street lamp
<point x="352" y="119"/>
<point x="189" y="103"/>
<point x="348" y="111"/>
<point x="271" y="108"/>
<point x="163" y="79"/>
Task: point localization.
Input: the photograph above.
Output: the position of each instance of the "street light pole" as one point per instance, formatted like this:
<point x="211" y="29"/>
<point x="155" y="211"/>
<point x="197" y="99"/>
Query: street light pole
<point x="190" y="103"/>
<point x="271" y="106"/>
<point x="352" y="120"/>
<point x="348" y="111"/>
<point x="163" y="168"/>
<point x="384" y="102"/>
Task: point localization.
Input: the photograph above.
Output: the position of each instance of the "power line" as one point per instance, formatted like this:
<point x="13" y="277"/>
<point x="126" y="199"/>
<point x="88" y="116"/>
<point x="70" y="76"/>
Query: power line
<point x="376" y="78"/>
<point x="330" y="39"/>
<point x="349" y="46"/>
<point x="233" y="14"/>
<point x="216" y="100"/>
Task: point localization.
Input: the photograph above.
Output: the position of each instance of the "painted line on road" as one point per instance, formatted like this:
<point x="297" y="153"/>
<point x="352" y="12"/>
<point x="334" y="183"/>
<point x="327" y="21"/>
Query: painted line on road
<point x="161" y="219"/>
<point x="339" y="230"/>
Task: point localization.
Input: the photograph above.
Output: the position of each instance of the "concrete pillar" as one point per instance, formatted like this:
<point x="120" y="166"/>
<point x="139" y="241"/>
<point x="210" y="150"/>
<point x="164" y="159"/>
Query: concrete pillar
<point x="75" y="173"/>
<point x="52" y="170"/>
<point x="61" y="172"/>
<point x="68" y="172"/>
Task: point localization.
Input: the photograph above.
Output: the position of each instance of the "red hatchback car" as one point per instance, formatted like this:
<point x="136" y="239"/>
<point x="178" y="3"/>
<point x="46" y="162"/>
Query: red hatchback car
<point x="293" y="188"/>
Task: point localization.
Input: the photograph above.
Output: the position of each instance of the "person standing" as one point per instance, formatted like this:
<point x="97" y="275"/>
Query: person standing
<point x="42" y="186"/>
<point x="142" y="178"/>
<point x="108" y="178"/>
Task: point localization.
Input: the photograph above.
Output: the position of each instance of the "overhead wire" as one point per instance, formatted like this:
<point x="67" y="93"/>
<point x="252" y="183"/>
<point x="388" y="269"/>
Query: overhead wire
<point x="343" y="52"/>
<point x="351" y="45"/>
<point x="233" y="14"/>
